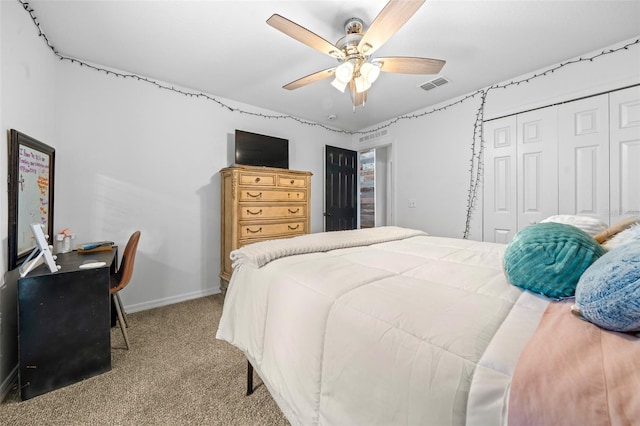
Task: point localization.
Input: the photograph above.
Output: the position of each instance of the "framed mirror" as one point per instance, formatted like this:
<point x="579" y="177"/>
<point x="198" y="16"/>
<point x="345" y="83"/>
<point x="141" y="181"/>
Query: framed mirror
<point x="31" y="176"/>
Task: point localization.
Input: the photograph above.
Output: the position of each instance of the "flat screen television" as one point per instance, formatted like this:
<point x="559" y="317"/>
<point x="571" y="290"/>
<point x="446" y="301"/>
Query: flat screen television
<point x="253" y="149"/>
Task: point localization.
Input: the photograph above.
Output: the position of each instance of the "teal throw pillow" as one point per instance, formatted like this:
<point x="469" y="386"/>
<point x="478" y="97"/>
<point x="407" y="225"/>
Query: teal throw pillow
<point x="608" y="293"/>
<point x="549" y="258"/>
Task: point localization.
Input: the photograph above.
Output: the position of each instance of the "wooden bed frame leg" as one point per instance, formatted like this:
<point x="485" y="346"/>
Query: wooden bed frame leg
<point x="249" y="378"/>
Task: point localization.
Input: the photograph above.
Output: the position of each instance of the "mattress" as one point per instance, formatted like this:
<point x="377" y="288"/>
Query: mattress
<point x="415" y="330"/>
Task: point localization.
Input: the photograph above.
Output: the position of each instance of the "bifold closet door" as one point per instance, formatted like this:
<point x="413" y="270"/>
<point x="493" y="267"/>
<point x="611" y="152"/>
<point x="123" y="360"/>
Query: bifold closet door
<point x="583" y="157"/>
<point x="625" y="153"/>
<point x="537" y="167"/>
<point x="500" y="210"/>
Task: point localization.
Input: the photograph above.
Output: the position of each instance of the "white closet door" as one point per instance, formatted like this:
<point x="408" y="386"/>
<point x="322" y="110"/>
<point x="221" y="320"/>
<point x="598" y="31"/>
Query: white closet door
<point x="537" y="150"/>
<point x="625" y="153"/>
<point x="584" y="157"/>
<point x="500" y="205"/>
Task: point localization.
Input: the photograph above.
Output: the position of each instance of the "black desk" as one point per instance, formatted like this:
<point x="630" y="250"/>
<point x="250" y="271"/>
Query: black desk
<point x="64" y="323"/>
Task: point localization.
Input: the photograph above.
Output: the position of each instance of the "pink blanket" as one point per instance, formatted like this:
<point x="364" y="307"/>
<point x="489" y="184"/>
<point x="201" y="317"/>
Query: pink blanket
<point x="574" y="373"/>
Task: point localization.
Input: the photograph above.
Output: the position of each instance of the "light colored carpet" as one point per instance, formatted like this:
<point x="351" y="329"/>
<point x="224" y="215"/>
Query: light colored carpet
<point x="175" y="373"/>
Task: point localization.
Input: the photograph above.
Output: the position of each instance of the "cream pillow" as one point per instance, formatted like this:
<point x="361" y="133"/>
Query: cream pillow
<point x="629" y="235"/>
<point x="607" y="234"/>
<point x="590" y="225"/>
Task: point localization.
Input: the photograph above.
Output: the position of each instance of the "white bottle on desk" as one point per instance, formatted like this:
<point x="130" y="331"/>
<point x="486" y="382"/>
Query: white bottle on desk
<point x="63" y="243"/>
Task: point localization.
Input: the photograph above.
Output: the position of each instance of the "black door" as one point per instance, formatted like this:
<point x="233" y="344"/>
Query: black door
<point x="341" y="201"/>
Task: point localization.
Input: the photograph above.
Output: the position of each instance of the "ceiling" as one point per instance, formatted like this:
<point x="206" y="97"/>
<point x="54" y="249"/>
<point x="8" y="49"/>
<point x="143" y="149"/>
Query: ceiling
<point x="225" y="48"/>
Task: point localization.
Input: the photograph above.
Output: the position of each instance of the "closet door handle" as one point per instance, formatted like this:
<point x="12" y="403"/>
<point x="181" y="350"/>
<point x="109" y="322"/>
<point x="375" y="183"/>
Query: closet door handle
<point x="258" y="195"/>
<point x="254" y="213"/>
<point x="251" y="231"/>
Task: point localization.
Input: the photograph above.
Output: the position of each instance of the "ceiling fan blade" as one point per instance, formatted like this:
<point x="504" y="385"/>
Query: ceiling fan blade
<point x="392" y="17"/>
<point x="359" y="99"/>
<point x="409" y="65"/>
<point x="304" y="36"/>
<point x="311" y="78"/>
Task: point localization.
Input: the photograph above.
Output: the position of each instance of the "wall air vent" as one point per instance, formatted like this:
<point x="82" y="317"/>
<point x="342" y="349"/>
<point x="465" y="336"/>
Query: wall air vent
<point x="373" y="135"/>
<point x="432" y="84"/>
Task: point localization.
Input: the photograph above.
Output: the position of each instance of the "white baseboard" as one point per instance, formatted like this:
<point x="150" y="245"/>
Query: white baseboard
<point x="5" y="387"/>
<point x="137" y="307"/>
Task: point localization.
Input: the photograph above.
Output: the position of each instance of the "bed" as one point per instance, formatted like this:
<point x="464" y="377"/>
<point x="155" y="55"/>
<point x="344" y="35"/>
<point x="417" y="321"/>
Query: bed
<point x="391" y="326"/>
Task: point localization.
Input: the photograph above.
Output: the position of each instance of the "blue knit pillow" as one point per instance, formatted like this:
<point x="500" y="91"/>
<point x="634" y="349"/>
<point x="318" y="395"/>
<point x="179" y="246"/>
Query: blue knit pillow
<point x="548" y="258"/>
<point x="608" y="293"/>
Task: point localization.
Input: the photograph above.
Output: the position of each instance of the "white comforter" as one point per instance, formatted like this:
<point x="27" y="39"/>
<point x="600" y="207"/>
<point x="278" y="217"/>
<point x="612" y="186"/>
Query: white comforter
<point x="387" y="334"/>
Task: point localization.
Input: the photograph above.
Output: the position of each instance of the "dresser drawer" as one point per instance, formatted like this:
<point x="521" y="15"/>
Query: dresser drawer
<point x="257" y="179"/>
<point x="291" y="181"/>
<point x="272" y="212"/>
<point x="261" y="230"/>
<point x="247" y="242"/>
<point x="272" y="195"/>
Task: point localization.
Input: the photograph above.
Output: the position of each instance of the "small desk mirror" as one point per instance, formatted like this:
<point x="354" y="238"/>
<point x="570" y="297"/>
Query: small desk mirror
<point x="42" y="251"/>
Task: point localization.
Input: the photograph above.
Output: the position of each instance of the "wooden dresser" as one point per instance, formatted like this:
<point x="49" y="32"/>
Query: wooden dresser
<point x="261" y="203"/>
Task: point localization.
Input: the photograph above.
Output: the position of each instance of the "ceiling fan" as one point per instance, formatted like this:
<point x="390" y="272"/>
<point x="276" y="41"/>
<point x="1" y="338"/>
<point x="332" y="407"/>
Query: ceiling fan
<point x="357" y="69"/>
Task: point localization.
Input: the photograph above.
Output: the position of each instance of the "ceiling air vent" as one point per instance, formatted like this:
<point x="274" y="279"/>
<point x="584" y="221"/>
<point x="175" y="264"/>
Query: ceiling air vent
<point x="432" y="84"/>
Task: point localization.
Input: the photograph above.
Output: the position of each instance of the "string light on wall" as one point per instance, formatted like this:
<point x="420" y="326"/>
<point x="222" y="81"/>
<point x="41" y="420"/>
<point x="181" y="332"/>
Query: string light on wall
<point x="163" y="86"/>
<point x="477" y="142"/>
<point x="477" y="148"/>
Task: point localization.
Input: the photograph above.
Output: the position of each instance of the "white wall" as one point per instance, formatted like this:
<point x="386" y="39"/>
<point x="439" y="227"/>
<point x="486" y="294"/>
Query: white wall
<point x="432" y="154"/>
<point x="431" y="157"/>
<point x="605" y="73"/>
<point x="132" y="156"/>
<point x="27" y="82"/>
<point x="27" y="74"/>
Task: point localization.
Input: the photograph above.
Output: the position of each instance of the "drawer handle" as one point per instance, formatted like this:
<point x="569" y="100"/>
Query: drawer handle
<point x="259" y="195"/>
<point x="257" y="179"/>
<point x="292" y="181"/>
<point x="249" y="230"/>
<point x="292" y="228"/>
<point x="293" y="211"/>
<point x="254" y="213"/>
<point x="297" y="194"/>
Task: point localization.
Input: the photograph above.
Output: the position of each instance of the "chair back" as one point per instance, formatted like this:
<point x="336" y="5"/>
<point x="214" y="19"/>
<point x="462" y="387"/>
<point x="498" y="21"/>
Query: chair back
<point x="126" y="264"/>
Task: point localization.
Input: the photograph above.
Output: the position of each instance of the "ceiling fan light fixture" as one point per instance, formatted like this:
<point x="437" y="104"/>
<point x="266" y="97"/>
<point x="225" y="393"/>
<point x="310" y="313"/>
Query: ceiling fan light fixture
<point x="340" y="85"/>
<point x="370" y="71"/>
<point x="344" y="72"/>
<point x="355" y="49"/>
<point x="362" y="85"/>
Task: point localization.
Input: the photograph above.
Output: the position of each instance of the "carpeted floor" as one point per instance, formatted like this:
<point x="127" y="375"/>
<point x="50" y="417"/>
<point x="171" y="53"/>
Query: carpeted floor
<point x="176" y="373"/>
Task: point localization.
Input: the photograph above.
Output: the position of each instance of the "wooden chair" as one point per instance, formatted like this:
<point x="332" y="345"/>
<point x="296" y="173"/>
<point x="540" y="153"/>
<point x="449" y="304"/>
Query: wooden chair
<point x="121" y="278"/>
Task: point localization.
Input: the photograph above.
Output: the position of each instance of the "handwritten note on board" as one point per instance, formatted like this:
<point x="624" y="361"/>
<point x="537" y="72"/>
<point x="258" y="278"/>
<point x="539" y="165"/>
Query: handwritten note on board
<point x="33" y="195"/>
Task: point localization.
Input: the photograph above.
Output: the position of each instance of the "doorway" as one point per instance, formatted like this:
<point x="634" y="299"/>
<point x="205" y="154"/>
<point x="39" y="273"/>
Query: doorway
<point x="358" y="188"/>
<point x="375" y="183"/>
<point x="367" y="178"/>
